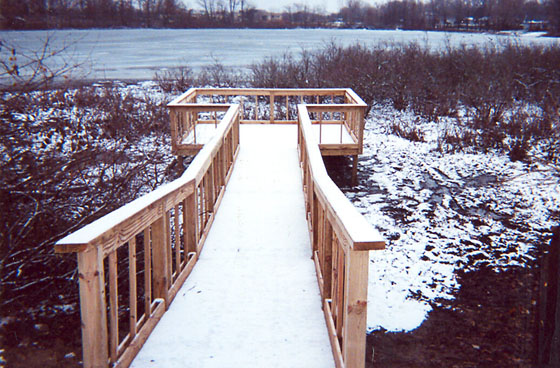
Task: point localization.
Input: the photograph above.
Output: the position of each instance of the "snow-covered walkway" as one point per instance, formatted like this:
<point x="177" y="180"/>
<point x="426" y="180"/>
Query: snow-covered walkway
<point x="252" y="299"/>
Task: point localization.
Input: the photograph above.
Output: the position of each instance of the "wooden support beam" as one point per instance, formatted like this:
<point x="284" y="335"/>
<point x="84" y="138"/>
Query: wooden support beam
<point x="191" y="224"/>
<point x="93" y="309"/>
<point x="355" y="170"/>
<point x="160" y="270"/>
<point x="355" y="308"/>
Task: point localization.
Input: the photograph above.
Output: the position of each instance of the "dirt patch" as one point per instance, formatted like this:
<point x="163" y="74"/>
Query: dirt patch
<point x="490" y="323"/>
<point x="45" y="342"/>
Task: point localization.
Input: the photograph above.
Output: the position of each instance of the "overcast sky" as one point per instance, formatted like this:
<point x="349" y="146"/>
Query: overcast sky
<point x="330" y="6"/>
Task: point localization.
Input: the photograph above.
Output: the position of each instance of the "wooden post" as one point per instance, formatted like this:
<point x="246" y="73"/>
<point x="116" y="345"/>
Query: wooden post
<point x="327" y="258"/>
<point x="355" y="170"/>
<point x="355" y="308"/>
<point x="161" y="281"/>
<point x="320" y="127"/>
<point x="360" y="124"/>
<point x="93" y="308"/>
<point x="190" y="219"/>
<point x="174" y="133"/>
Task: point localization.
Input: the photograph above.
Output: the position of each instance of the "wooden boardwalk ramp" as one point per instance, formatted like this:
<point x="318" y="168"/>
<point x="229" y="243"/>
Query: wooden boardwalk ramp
<point x="252" y="300"/>
<point x="252" y="258"/>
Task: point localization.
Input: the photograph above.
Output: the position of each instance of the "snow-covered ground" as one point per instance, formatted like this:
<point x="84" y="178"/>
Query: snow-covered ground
<point x="441" y="213"/>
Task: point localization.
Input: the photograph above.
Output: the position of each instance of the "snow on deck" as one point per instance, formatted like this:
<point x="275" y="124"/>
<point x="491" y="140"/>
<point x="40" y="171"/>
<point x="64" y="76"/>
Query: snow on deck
<point x="252" y="299"/>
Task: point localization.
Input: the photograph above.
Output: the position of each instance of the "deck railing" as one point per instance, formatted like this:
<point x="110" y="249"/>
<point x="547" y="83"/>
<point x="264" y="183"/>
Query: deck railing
<point x="156" y="239"/>
<point x="270" y="106"/>
<point x="341" y="239"/>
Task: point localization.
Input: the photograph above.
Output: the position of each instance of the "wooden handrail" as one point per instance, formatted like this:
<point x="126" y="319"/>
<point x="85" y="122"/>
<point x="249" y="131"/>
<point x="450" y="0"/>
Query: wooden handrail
<point x="168" y="227"/>
<point x="340" y="239"/>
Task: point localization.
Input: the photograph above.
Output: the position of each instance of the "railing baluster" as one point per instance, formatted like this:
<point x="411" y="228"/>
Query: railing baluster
<point x="177" y="240"/>
<point x="201" y="209"/>
<point x="339" y="289"/>
<point x="133" y="313"/>
<point x="147" y="273"/>
<point x="113" y="306"/>
<point x="327" y="259"/>
<point x="320" y="127"/>
<point x="169" y="246"/>
<point x="314" y="218"/>
<point x="271" y="110"/>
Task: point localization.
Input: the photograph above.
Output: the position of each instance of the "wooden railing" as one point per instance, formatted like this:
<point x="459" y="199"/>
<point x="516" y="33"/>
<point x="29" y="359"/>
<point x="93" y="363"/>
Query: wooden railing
<point x="156" y="240"/>
<point x="341" y="239"/>
<point x="264" y="105"/>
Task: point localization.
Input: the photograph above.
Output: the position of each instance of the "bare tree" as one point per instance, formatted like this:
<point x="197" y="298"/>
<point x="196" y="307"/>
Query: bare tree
<point x="232" y="7"/>
<point x="209" y="7"/>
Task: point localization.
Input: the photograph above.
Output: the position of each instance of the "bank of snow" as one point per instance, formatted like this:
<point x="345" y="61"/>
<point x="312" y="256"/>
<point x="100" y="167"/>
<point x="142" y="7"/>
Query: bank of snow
<point x="441" y="213"/>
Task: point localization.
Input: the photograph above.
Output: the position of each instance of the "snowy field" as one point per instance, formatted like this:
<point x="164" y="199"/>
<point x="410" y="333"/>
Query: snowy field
<point x="441" y="213"/>
<point x="137" y="54"/>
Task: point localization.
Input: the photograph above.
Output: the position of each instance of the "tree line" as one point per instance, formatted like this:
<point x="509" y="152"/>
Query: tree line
<point x="404" y="14"/>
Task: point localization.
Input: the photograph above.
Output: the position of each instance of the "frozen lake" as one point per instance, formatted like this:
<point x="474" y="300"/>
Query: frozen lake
<point x="139" y="53"/>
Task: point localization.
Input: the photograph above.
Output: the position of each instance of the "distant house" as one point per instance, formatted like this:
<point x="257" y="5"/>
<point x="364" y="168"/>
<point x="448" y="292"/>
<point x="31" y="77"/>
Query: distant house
<point x="267" y="17"/>
<point x="535" y="25"/>
<point x="339" y="23"/>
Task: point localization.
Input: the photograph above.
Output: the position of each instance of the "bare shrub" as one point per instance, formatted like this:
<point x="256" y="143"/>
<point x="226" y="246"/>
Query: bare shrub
<point x="175" y="80"/>
<point x="218" y="75"/>
<point x="407" y="130"/>
<point x="68" y="157"/>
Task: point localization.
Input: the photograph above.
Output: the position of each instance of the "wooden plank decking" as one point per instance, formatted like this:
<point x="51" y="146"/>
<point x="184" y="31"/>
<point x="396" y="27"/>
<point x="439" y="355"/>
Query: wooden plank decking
<point x="252" y="300"/>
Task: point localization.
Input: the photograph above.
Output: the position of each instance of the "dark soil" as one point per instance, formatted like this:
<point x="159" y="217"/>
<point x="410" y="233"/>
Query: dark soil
<point x="490" y="323"/>
<point x="48" y="341"/>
